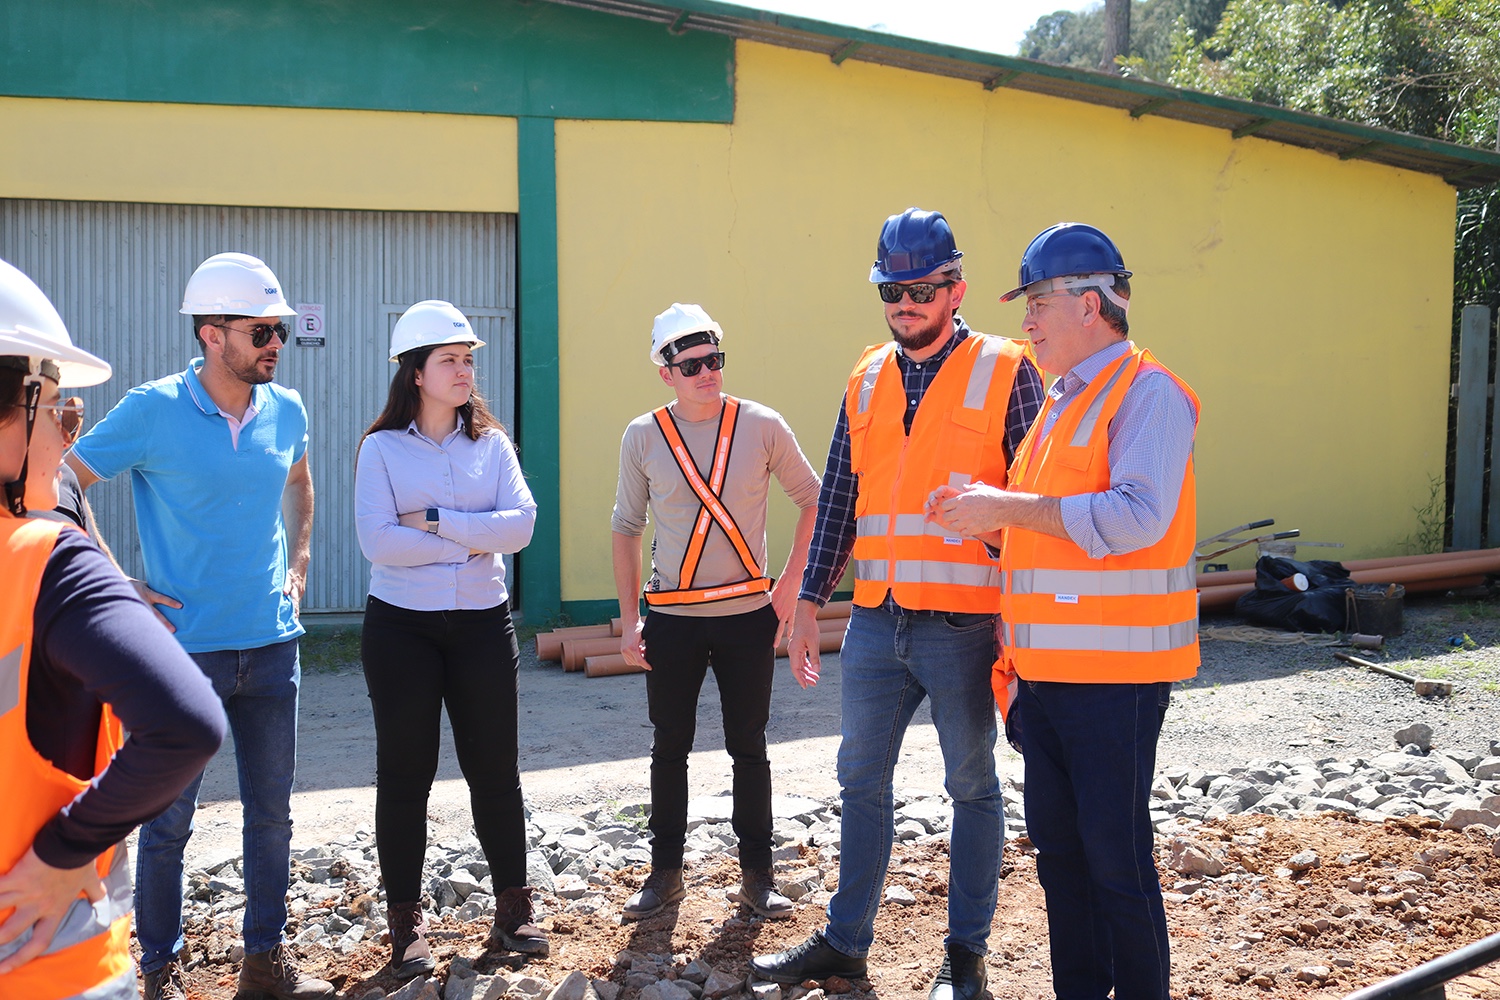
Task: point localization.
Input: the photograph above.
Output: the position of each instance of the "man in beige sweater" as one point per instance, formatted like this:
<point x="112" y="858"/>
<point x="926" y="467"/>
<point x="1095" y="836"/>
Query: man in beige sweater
<point x="702" y="464"/>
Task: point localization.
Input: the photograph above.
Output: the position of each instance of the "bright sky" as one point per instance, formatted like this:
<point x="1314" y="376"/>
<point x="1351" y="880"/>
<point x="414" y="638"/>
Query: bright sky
<point x="987" y="25"/>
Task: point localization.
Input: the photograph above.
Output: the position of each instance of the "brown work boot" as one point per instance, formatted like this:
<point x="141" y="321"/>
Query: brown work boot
<point x="514" y="929"/>
<point x="410" y="954"/>
<point x="165" y="983"/>
<point x="663" y="887"/>
<point x="272" y="975"/>
<point x="758" y="891"/>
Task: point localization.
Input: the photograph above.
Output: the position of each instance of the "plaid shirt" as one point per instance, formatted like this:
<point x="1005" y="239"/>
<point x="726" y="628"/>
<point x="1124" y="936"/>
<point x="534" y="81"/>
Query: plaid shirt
<point x="833" y="533"/>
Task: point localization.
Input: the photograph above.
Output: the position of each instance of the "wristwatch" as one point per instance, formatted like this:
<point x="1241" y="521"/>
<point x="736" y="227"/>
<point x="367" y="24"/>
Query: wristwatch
<point x="432" y="520"/>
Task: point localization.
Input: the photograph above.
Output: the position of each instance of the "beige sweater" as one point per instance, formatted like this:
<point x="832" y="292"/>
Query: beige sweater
<point x="764" y="446"/>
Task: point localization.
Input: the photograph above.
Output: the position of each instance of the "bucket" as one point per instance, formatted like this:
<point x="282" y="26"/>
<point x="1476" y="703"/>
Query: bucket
<point x="1374" y="608"/>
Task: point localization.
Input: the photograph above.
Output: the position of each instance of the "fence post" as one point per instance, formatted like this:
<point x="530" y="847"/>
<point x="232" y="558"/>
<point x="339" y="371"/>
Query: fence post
<point x="1473" y="395"/>
<point x="1492" y="518"/>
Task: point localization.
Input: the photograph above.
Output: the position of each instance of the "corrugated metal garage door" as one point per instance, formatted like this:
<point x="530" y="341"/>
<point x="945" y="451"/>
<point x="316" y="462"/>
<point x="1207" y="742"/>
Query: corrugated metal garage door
<point x="116" y="273"/>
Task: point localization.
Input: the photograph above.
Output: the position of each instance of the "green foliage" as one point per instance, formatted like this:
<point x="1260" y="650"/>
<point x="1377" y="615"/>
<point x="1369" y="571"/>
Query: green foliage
<point x="1069" y="38"/>
<point x="1432" y="521"/>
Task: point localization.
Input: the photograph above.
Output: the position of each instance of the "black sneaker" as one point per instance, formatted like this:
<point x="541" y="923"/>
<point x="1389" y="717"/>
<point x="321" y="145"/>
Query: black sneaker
<point x="814" y="958"/>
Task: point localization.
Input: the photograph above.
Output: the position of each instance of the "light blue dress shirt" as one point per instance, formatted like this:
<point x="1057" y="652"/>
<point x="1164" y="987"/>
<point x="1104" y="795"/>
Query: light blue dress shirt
<point x="483" y="502"/>
<point x="1150" y="439"/>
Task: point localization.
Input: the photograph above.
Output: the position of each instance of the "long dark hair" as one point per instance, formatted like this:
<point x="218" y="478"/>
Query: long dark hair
<point x="405" y="401"/>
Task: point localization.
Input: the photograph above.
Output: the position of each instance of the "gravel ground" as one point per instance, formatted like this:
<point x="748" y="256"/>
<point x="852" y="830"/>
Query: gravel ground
<point x="1255" y="700"/>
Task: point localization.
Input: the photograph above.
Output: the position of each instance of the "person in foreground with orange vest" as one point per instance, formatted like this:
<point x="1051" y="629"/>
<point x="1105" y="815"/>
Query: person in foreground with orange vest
<point x="940" y="405"/>
<point x="82" y="660"/>
<point x="703" y="464"/>
<point x="1095" y="532"/>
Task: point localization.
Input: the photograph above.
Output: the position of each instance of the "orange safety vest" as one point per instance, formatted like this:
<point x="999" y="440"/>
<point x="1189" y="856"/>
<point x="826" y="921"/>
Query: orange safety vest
<point x="957" y="437"/>
<point x="1122" y="619"/>
<point x="91" y="947"/>
<point x="710" y="513"/>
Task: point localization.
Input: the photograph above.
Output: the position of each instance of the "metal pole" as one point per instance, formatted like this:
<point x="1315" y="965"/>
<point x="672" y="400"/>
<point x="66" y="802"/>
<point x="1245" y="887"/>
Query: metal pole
<point x="1425" y="982"/>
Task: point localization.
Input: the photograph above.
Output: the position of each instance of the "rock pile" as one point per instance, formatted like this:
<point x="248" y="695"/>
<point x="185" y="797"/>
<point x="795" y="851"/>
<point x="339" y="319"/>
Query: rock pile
<point x="575" y="863"/>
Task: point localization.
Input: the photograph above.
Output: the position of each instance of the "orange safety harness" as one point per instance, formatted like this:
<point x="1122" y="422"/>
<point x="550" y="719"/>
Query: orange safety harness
<point x="711" y="512"/>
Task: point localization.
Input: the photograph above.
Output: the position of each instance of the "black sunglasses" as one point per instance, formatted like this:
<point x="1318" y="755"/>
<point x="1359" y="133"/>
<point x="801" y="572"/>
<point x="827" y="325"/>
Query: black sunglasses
<point x="921" y="293"/>
<point x="692" y="366"/>
<point x="261" y="333"/>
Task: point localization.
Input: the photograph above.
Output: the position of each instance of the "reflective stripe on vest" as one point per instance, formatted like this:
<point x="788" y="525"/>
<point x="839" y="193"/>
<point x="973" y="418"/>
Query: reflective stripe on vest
<point x="85" y="920"/>
<point x="928" y="571"/>
<point x="1090" y="418"/>
<point x="1101" y="583"/>
<point x="122" y="987"/>
<point x="1103" y="638"/>
<point x="711" y="512"/>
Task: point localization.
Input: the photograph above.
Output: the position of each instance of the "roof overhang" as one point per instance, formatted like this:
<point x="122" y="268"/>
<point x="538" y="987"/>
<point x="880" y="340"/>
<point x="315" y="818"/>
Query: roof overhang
<point x="1460" y="166"/>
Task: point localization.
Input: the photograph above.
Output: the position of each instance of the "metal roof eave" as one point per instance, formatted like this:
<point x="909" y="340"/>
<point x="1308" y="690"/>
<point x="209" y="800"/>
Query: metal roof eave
<point x="1461" y="166"/>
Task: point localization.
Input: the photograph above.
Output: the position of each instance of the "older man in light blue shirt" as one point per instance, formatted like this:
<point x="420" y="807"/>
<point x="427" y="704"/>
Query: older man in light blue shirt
<point x="1086" y="712"/>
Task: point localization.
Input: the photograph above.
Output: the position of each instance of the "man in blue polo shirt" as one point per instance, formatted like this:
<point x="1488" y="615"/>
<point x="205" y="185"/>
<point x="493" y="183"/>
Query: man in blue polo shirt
<point x="217" y="457"/>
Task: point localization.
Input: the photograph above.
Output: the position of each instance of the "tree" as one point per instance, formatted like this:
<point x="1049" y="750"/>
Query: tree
<point x="1116" y="34"/>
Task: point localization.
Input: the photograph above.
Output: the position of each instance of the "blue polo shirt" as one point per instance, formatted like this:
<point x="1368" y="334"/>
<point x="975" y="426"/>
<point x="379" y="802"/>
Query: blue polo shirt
<point x="208" y="513"/>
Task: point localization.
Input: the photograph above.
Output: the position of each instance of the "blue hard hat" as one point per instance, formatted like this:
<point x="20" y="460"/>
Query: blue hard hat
<point x="913" y="244"/>
<point x="1067" y="248"/>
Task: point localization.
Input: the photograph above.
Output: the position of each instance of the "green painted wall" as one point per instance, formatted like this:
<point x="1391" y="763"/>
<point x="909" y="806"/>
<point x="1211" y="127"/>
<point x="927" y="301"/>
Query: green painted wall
<point x="539" y="566"/>
<point x="489" y="57"/>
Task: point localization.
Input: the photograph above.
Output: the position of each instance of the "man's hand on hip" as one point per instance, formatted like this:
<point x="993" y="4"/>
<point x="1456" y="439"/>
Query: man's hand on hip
<point x="802" y="647"/>
<point x="152" y="599"/>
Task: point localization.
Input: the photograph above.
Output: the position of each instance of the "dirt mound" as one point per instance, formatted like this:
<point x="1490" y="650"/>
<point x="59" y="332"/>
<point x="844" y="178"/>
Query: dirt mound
<point x="1378" y="900"/>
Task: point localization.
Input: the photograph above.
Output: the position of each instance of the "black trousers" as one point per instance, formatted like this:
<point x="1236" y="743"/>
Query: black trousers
<point x="417" y="662"/>
<point x="680" y="650"/>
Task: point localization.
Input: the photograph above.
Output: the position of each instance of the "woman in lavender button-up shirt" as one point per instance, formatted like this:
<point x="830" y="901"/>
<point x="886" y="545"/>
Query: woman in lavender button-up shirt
<point x="439" y="497"/>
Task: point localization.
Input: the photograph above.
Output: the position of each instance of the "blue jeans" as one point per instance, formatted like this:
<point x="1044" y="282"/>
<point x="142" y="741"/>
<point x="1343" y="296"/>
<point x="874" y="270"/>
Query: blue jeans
<point x="890" y="661"/>
<point x="1090" y="752"/>
<point x="259" y="690"/>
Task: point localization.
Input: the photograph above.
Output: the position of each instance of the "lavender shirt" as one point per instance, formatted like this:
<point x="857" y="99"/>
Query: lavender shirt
<point x="1150" y="439"/>
<point x="484" y="503"/>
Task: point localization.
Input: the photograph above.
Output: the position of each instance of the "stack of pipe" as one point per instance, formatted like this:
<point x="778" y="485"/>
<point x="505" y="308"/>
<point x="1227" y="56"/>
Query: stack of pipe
<point x="595" y="649"/>
<point x="1418" y="574"/>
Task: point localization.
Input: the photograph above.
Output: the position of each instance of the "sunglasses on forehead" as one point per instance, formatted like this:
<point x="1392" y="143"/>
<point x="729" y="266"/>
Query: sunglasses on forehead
<point x="921" y="292"/>
<point x="261" y="333"/>
<point x="693" y="366"/>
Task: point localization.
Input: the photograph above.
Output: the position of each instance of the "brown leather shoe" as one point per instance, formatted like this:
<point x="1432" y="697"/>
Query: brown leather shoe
<point x="273" y="975"/>
<point x="758" y="891"/>
<point x="514" y="929"/>
<point x="165" y="983"/>
<point x="663" y="888"/>
<point x="410" y="954"/>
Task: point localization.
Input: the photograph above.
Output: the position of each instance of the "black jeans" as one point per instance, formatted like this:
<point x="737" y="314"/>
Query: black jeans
<point x="415" y="663"/>
<point x="680" y="650"/>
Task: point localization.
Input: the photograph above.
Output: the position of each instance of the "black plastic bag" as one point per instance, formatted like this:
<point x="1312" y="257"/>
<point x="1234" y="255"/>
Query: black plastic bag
<point x="1320" y="608"/>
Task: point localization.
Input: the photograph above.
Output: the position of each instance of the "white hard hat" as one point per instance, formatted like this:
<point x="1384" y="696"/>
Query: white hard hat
<point x="679" y="321"/>
<point x="429" y="323"/>
<point x="234" y="284"/>
<point x="31" y="328"/>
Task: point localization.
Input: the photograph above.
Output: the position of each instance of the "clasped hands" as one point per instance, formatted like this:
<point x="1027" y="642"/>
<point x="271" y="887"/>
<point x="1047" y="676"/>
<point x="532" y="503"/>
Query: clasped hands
<point x="976" y="509"/>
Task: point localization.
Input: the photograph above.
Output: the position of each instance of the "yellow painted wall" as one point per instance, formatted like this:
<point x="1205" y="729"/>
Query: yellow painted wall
<point x="275" y="157"/>
<point x="1304" y="297"/>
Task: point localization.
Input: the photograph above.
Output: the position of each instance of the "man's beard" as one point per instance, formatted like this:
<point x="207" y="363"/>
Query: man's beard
<point x="923" y="338"/>
<point x="247" y="371"/>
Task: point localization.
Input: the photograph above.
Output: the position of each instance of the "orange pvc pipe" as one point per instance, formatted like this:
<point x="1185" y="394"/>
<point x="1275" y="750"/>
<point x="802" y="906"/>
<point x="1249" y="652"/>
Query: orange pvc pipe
<point x="828" y="642"/>
<point x="1221" y="598"/>
<point x="1248" y="575"/>
<point x="549" y="644"/>
<point x="608" y="665"/>
<point x="574" y="650"/>
<point x="836" y="609"/>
